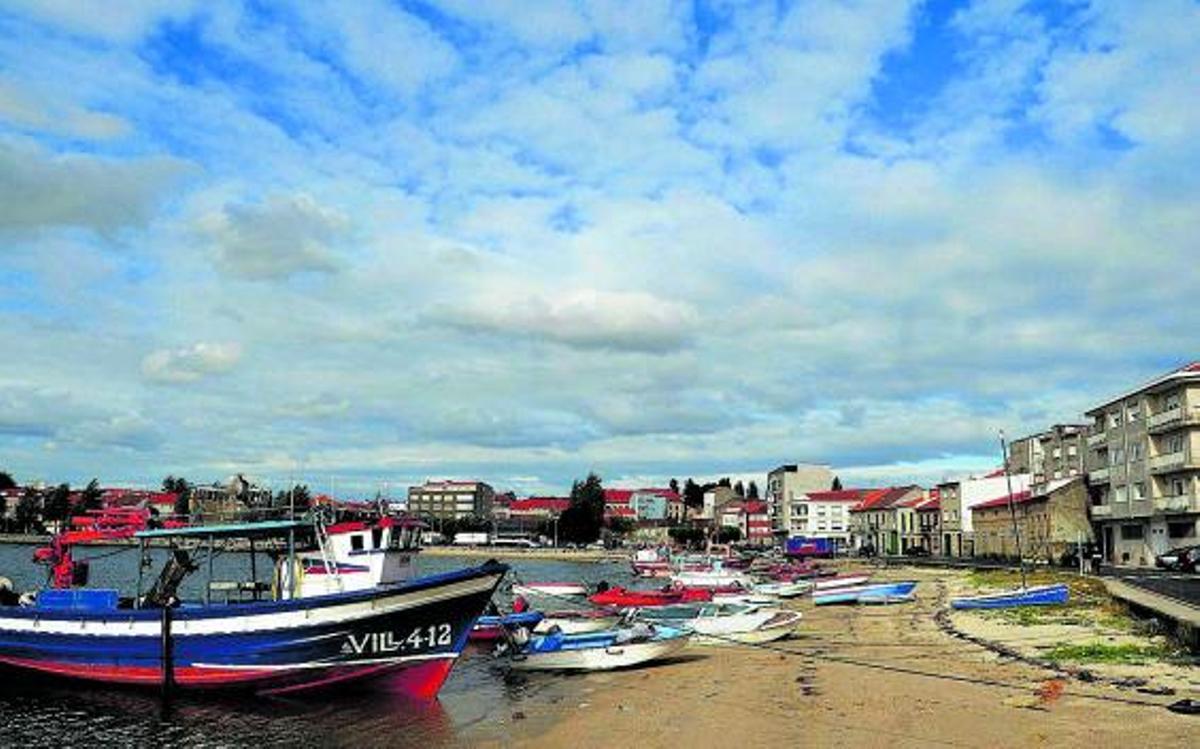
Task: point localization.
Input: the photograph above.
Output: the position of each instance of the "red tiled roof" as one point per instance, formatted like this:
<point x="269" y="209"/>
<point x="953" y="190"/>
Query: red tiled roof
<point x="556" y="504"/>
<point x="618" y="496"/>
<point x="620" y="511"/>
<point x="1017" y="498"/>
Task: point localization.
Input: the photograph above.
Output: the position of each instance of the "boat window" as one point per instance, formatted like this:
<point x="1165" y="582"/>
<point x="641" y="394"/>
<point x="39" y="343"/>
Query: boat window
<point x="376" y="538"/>
<point x="356" y="542"/>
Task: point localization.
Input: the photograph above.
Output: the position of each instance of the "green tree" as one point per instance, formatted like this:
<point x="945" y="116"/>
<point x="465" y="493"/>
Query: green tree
<point x="26" y="513"/>
<point x="621" y="526"/>
<point x="91" y="497"/>
<point x="183" y="495"/>
<point x="686" y="536"/>
<point x="693" y="494"/>
<point x="724" y="482"/>
<point x="739" y="489"/>
<point x="752" y="491"/>
<point x="298" y="498"/>
<point x="837" y="484"/>
<point x="57" y="505"/>
<point x="582" y="520"/>
<point x="674" y="485"/>
<point x="729" y="534"/>
<point x="6" y="481"/>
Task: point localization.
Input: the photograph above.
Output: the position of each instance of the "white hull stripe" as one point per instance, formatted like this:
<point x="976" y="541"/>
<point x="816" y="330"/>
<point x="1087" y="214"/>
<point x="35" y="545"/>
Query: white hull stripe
<point x="327" y="664"/>
<point x="237" y="623"/>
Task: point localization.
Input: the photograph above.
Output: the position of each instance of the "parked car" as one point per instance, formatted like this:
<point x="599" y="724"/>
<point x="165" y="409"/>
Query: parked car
<point x="866" y="550"/>
<point x="916" y="551"/>
<point x="1182" y="559"/>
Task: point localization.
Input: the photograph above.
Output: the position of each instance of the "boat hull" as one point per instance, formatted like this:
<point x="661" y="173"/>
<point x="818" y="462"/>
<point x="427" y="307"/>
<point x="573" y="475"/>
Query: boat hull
<point x="600" y="658"/>
<point x="413" y="631"/>
<point x="549" y="590"/>
<point x="879" y="593"/>
<point x="1046" y="595"/>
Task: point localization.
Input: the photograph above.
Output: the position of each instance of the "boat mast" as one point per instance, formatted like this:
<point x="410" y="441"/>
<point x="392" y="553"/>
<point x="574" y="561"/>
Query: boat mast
<point x="1012" y="509"/>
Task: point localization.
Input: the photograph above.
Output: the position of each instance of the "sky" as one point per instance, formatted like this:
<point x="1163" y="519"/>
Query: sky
<point x="366" y="244"/>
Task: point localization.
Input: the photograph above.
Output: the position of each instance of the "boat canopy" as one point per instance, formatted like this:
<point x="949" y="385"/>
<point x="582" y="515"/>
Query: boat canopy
<point x="229" y="530"/>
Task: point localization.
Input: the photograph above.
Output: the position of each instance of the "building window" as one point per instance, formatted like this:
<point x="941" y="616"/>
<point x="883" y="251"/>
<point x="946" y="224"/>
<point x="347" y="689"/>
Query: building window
<point x="1181" y="530"/>
<point x="1121" y="494"/>
<point x="1117" y="456"/>
<point x="1136" y="450"/>
<point x="1135" y="411"/>
<point x="1139" y="490"/>
<point x="1131" y="533"/>
<point x="1114" y="419"/>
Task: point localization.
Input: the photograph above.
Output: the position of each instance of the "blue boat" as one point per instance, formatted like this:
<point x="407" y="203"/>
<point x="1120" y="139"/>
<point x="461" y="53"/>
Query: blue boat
<point x="412" y="631"/>
<point x="598" y="651"/>
<point x="1045" y="595"/>
<point x="873" y="593"/>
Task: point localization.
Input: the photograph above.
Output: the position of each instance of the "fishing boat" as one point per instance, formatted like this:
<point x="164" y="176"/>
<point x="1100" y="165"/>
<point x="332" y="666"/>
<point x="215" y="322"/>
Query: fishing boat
<point x="620" y="597"/>
<point x="723" y="624"/>
<point x="651" y="563"/>
<point x="1043" y="595"/>
<point x="549" y="590"/>
<point x="874" y="593"/>
<point x="715" y="577"/>
<point x="245" y="635"/>
<point x="597" y="651"/>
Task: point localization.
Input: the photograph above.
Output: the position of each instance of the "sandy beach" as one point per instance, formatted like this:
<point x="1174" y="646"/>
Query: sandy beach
<point x="862" y="676"/>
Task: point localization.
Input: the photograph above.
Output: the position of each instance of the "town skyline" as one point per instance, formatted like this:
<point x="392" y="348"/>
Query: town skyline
<point x="388" y="242"/>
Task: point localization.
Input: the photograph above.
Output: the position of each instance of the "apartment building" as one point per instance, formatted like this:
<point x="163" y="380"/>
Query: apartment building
<point x="1143" y="464"/>
<point x="750" y="517"/>
<point x="786" y="484"/>
<point x="827" y="514"/>
<point x="1057" y="453"/>
<point x="451" y="499"/>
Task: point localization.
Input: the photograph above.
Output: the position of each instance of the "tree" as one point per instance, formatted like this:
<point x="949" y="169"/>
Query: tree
<point x="693" y="494"/>
<point x="621" y="526"/>
<point x="92" y="497"/>
<point x="583" y="518"/>
<point x="752" y="491"/>
<point x="26" y="513"/>
<point x="6" y="481"/>
<point x="674" y="484"/>
<point x="724" y="482"/>
<point x="728" y="534"/>
<point x="297" y="497"/>
<point x="685" y="536"/>
<point x="57" y="506"/>
<point x="837" y="484"/>
<point x="739" y="490"/>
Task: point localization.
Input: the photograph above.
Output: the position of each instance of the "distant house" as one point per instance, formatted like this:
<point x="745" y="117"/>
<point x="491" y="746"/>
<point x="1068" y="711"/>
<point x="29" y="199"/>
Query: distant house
<point x="751" y="517"/>
<point x="451" y="499"/>
<point x="1050" y="521"/>
<point x="826" y="514"/>
<point x="537" y="508"/>
<point x="956" y="498"/>
<point x="882" y="518"/>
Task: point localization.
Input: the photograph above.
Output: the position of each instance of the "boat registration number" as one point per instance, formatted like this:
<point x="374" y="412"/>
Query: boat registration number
<point x="390" y="641"/>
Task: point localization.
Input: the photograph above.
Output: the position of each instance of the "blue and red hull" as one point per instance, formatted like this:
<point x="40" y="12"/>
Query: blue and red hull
<point x="412" y="631"/>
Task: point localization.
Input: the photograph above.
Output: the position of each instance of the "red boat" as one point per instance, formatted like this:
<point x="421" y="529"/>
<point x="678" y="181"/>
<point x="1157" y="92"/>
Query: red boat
<point x="623" y="597"/>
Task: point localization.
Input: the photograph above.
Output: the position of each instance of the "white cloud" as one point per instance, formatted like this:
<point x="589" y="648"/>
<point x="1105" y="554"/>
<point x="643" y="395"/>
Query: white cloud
<point x="582" y="318"/>
<point x="39" y="113"/>
<point x="280" y="237"/>
<point x="190" y="363"/>
<point x="40" y="189"/>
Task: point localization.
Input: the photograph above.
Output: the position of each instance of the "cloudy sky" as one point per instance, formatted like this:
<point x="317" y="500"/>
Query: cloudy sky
<point x="382" y="241"/>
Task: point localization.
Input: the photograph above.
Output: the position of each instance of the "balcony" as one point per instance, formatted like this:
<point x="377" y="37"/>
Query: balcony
<point x="1101" y="511"/>
<point x="1168" y="462"/>
<point x="1097" y="439"/>
<point x="1099" y="475"/>
<point x="1179" y="503"/>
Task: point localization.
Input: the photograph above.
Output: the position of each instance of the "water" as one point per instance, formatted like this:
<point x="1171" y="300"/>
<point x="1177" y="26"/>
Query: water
<point x="475" y="704"/>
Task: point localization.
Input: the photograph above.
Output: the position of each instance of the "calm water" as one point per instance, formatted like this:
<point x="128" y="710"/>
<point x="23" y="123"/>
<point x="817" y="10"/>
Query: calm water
<point x="475" y="704"/>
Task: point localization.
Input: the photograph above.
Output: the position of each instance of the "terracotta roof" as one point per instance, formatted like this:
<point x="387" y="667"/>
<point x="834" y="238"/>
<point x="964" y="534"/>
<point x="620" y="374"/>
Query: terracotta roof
<point x="618" y="496"/>
<point x="557" y="504"/>
<point x="883" y="499"/>
<point x="1017" y="498"/>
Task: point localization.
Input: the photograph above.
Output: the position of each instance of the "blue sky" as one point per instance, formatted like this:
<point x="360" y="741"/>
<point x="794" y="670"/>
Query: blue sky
<point x="383" y="241"/>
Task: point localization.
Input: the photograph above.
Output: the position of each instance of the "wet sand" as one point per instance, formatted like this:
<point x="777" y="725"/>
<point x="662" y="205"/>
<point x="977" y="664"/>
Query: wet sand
<point x="804" y="691"/>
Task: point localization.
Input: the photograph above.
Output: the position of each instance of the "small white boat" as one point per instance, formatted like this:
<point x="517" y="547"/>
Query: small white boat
<point x="713" y="578"/>
<point x="784" y="590"/>
<point x="577" y="622"/>
<point x="598" y="651"/>
<point x="840" y="581"/>
<point x="549" y="590"/>
<point x="723" y="624"/>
